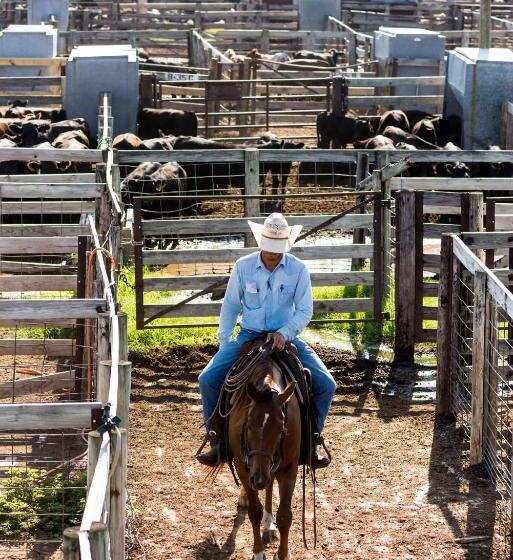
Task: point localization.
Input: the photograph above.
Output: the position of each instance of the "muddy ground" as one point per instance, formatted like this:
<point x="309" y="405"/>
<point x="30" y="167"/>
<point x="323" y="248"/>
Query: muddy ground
<point x="398" y="488"/>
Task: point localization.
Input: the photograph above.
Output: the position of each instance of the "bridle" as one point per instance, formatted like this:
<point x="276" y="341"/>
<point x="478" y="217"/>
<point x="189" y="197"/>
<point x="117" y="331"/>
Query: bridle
<point x="275" y="459"/>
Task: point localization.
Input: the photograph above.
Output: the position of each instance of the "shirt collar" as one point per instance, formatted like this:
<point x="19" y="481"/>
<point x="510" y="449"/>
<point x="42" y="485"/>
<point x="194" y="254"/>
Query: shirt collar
<point x="260" y="262"/>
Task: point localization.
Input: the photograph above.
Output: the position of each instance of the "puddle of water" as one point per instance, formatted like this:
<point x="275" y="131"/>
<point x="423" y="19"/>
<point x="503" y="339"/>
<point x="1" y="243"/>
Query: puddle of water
<point x="341" y="341"/>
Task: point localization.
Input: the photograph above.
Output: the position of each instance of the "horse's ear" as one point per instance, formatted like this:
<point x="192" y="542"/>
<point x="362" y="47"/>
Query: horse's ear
<point x="287" y="392"/>
<point x="252" y="391"/>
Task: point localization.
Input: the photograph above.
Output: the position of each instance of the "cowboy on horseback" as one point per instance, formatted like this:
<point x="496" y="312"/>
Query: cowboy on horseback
<point x="271" y="289"/>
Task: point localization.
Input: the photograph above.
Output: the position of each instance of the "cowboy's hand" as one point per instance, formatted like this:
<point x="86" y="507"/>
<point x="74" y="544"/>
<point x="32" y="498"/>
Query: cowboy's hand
<point x="277" y="339"/>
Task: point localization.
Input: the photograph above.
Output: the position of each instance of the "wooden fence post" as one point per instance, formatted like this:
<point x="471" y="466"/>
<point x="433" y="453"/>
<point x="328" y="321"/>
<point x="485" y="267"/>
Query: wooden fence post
<point x="94" y="441"/>
<point x="339" y="96"/>
<point x="103" y="337"/>
<point x="212" y="106"/>
<point x="124" y="386"/>
<point x="419" y="265"/>
<point x="386" y="198"/>
<point x="378" y="253"/>
<point x="118" y="496"/>
<point x="404" y="346"/>
<point x="252" y="187"/>
<point x="351" y="49"/>
<point x="444" y="331"/>
<point x="265" y="42"/>
<point x="191" y="48"/>
<point x="472" y="214"/>
<point x="146" y="90"/>
<point x="71" y="544"/>
<point x="245" y="74"/>
<point x="491" y="384"/>
<point x="362" y="165"/>
<point x="103" y="382"/>
<point x="123" y="336"/>
<point x="99" y="539"/>
<point x="478" y="365"/>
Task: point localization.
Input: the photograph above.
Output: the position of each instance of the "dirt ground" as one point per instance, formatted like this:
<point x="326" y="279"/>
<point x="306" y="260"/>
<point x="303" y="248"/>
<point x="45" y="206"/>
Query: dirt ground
<point x="398" y="487"/>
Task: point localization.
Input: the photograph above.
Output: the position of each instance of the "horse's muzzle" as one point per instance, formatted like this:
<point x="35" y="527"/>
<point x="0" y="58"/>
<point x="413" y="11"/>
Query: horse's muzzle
<point x="259" y="481"/>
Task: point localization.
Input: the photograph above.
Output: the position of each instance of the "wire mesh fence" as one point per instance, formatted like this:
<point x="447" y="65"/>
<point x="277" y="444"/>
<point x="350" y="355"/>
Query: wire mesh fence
<point x="461" y="389"/>
<point x="475" y="366"/>
<point x="42" y="491"/>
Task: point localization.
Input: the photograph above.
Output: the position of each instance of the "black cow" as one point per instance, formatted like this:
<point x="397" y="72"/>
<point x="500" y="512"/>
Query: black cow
<point x="279" y="171"/>
<point x="35" y="132"/>
<point x="393" y="118"/>
<point x="39" y="131"/>
<point x="153" y="122"/>
<point x="447" y="130"/>
<point x="455" y="169"/>
<point x="70" y="125"/>
<point x="152" y="178"/>
<point x="425" y="129"/>
<point x="162" y="143"/>
<point x="327" y="59"/>
<point x="341" y="130"/>
<point x="414" y="116"/>
<point x="22" y="111"/>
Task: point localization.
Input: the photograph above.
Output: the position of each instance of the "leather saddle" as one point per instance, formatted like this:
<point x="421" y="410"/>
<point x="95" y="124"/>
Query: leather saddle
<point x="292" y="370"/>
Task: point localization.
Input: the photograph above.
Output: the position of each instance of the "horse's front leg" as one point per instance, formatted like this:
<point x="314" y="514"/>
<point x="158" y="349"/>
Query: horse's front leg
<point x="255" y="514"/>
<point x="286" y="483"/>
<point x="269" y="535"/>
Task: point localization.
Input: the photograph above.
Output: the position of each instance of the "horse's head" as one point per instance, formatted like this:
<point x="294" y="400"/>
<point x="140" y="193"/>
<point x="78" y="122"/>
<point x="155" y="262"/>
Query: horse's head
<point x="264" y="431"/>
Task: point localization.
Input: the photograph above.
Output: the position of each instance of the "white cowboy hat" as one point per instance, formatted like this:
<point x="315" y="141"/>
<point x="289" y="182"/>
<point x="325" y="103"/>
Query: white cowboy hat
<point x="275" y="235"/>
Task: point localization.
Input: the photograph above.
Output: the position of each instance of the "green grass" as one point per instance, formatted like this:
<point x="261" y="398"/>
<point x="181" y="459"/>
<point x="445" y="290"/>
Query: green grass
<point x="148" y="340"/>
<point x="32" y="503"/>
<point x="360" y="333"/>
<point x="151" y="340"/>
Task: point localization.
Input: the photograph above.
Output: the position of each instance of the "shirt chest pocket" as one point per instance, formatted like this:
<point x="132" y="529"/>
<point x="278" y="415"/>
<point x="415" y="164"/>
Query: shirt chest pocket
<point x="286" y="294"/>
<point x="251" y="297"/>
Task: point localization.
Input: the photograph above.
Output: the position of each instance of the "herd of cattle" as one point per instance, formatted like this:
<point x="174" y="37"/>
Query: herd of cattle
<point x="167" y="129"/>
<point x="303" y="58"/>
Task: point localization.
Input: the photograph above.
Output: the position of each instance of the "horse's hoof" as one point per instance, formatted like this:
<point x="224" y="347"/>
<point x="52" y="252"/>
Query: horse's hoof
<point x="269" y="536"/>
<point x="258" y="556"/>
<point x="276" y="557"/>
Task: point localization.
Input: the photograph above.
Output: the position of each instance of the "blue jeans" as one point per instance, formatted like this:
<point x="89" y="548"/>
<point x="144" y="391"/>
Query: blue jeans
<point x="212" y="377"/>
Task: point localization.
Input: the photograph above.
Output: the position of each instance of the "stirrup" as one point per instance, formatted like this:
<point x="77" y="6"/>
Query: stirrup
<point x="319" y="440"/>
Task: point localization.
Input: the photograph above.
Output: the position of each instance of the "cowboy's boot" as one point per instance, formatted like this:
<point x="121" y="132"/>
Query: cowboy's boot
<point x="319" y="460"/>
<point x="211" y="457"/>
<point x="214" y="456"/>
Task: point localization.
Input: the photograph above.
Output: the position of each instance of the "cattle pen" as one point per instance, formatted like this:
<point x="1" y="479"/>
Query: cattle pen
<point x="116" y="247"/>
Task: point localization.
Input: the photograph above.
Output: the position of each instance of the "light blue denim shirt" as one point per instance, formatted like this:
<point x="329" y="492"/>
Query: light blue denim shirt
<point x="280" y="300"/>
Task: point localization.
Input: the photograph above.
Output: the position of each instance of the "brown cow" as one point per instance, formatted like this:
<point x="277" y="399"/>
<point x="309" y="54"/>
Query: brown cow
<point x="127" y="141"/>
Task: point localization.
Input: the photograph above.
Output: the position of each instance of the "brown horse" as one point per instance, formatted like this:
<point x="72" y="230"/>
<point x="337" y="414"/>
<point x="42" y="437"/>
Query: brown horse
<point x="265" y="441"/>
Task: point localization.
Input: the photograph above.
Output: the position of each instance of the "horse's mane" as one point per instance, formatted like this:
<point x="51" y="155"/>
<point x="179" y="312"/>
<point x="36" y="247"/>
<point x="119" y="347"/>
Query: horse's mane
<point x="264" y="383"/>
